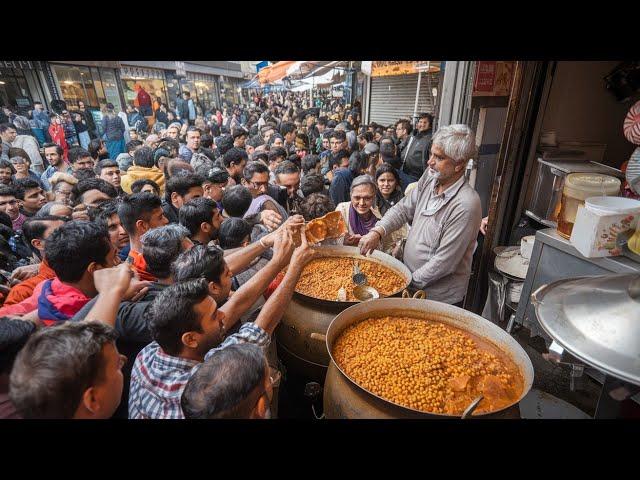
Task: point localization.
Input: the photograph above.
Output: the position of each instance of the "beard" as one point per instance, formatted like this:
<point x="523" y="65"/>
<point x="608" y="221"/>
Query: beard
<point x="434" y="173"/>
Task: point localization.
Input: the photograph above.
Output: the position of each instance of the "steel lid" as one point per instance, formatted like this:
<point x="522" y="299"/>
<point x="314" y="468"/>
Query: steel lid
<point x="596" y="319"/>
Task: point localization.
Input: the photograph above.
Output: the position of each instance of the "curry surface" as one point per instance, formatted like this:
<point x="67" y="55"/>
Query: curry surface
<point x="427" y="365"/>
<point x="323" y="277"/>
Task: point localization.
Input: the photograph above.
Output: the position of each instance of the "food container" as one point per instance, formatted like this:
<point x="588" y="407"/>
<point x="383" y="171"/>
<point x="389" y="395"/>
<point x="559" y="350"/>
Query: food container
<point x="577" y="188"/>
<point x="301" y="332"/>
<point x="343" y="398"/>
<point x="547" y="181"/>
<point x="599" y="223"/>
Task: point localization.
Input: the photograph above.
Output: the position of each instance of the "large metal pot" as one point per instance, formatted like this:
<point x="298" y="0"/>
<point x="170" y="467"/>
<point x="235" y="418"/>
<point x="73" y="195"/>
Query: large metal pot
<point x="343" y="398"/>
<point x="301" y="332"/>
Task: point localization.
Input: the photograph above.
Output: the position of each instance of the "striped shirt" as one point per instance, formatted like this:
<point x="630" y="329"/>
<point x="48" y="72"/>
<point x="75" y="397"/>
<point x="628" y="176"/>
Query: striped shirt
<point x="158" y="379"/>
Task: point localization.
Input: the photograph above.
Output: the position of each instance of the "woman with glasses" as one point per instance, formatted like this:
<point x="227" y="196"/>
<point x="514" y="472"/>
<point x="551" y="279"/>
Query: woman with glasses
<point x="360" y="213"/>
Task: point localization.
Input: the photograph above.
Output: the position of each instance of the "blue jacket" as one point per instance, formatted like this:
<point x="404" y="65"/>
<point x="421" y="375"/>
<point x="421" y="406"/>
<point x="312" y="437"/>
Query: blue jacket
<point x="113" y="128"/>
<point x="341" y="186"/>
<point x="41" y="118"/>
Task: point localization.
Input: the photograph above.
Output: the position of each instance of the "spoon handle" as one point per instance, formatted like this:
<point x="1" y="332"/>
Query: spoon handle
<point x="472" y="406"/>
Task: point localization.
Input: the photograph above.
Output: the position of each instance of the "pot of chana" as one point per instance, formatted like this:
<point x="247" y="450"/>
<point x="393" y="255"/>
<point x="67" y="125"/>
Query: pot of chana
<point x="409" y="358"/>
<point x="301" y="333"/>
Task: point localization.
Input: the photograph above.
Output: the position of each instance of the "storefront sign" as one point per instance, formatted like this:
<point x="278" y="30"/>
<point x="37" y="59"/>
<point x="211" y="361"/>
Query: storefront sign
<point x="140" y="73"/>
<point x="388" y="68"/>
<point x="180" y="69"/>
<point x="27" y="65"/>
<point x="493" y="79"/>
<point x="366" y="68"/>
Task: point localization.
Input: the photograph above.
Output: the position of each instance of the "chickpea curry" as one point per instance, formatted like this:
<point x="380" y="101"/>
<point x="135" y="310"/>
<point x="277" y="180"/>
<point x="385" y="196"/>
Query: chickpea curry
<point x="427" y="365"/>
<point x="323" y="277"/>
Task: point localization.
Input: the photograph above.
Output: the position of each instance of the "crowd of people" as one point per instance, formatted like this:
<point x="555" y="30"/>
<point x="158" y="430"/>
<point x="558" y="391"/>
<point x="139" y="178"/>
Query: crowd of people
<point x="143" y="277"/>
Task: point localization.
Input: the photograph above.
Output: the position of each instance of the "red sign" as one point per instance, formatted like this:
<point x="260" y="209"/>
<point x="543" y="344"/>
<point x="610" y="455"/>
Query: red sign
<point x="485" y="77"/>
<point x="493" y="79"/>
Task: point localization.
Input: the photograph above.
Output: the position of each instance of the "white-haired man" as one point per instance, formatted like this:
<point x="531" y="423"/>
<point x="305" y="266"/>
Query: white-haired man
<point x="444" y="213"/>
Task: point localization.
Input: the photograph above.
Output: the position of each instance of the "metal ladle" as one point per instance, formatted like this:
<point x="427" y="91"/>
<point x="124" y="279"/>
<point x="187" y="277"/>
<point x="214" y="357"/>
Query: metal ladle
<point x="358" y="277"/>
<point x="472" y="406"/>
<point x="362" y="290"/>
<point x="365" y="292"/>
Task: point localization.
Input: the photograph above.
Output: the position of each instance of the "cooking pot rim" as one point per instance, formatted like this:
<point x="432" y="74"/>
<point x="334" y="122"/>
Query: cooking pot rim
<point x="415" y="306"/>
<point x="353" y="252"/>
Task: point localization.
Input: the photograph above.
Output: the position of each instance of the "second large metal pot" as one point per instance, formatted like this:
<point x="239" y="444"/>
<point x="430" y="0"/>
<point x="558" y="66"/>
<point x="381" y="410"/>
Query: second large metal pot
<point x="301" y="332"/>
<point x="343" y="398"/>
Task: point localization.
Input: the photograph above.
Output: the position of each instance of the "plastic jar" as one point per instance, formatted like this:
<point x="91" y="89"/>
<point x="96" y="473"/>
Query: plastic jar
<point x="577" y="188"/>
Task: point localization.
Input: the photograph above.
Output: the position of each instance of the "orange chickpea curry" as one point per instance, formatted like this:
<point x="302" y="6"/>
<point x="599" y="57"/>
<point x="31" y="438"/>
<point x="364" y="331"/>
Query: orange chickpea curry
<point x="427" y="365"/>
<point x="323" y="277"/>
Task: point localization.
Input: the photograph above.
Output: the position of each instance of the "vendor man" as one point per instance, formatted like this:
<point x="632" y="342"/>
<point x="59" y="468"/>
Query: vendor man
<point x="444" y="213"/>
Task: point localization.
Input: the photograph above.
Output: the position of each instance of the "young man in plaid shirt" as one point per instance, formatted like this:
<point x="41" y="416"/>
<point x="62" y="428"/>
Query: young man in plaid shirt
<point x="188" y="328"/>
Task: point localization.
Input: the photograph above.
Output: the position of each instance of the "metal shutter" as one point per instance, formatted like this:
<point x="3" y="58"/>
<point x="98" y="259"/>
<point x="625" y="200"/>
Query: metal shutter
<point x="393" y="98"/>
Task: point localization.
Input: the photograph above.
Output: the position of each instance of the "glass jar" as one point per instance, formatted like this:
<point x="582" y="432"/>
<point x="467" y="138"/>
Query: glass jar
<point x="577" y="188"/>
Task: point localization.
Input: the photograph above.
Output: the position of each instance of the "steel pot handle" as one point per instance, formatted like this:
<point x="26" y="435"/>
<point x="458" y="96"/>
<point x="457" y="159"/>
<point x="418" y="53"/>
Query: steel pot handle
<point x="419" y="294"/>
<point x="318" y="336"/>
<point x="534" y="296"/>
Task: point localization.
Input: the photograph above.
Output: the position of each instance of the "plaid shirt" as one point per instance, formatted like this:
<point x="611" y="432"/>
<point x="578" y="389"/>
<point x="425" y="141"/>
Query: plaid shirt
<point x="158" y="379"/>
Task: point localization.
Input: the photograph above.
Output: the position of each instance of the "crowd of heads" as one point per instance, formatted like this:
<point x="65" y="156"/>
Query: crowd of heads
<point x="177" y="196"/>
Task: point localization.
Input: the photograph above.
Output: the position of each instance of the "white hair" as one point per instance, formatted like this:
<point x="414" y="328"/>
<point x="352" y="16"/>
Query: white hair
<point x="457" y="141"/>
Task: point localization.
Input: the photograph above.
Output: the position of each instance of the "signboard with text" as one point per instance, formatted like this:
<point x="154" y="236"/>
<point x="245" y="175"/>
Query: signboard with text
<point x="387" y="68"/>
<point x="493" y="79"/>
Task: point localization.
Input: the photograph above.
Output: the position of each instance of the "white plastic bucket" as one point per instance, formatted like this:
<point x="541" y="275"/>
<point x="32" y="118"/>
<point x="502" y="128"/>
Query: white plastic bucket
<point x="612" y="205"/>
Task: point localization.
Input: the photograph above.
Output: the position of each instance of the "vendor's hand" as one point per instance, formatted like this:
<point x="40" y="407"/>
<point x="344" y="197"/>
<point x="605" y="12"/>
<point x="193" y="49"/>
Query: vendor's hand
<point x="352" y="240"/>
<point x="283" y="246"/>
<point x="303" y="254"/>
<point x="21" y="274"/>
<point x="270" y="219"/>
<point x="369" y="242"/>
<point x="483" y="225"/>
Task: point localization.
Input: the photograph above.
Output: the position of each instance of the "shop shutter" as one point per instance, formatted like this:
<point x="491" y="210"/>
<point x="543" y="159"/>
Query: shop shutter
<point x="393" y="97"/>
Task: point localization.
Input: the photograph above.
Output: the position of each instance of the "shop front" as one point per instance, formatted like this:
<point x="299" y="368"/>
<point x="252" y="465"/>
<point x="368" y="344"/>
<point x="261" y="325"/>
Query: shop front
<point x="402" y="90"/>
<point x="22" y="83"/>
<point x="137" y="80"/>
<point x="228" y="90"/>
<point x="95" y="86"/>
<point x="206" y="90"/>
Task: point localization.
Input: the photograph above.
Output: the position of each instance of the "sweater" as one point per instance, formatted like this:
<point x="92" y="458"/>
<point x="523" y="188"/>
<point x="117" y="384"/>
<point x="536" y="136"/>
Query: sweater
<point x="138" y="173"/>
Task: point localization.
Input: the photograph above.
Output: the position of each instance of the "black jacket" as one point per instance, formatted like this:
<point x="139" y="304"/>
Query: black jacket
<point x="416" y="154"/>
<point x="279" y="194"/>
<point x="162" y="117"/>
<point x="88" y="118"/>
